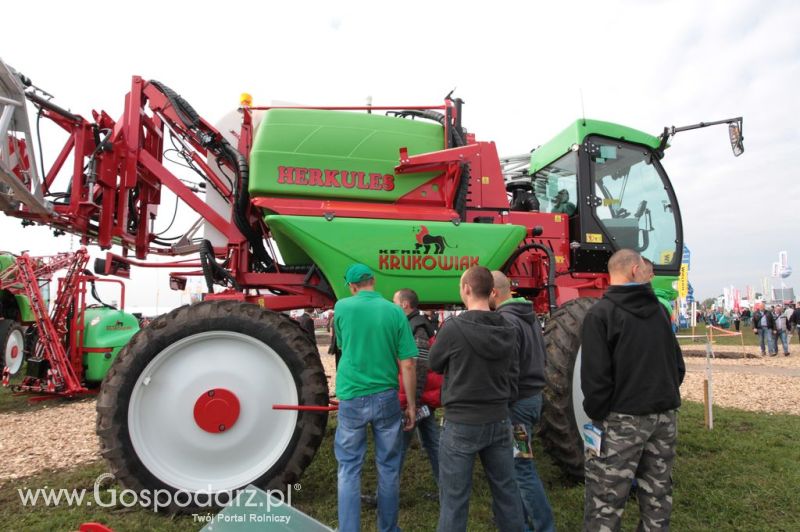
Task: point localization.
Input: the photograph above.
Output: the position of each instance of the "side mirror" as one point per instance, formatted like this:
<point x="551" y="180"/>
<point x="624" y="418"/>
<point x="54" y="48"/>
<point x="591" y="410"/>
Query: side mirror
<point x="737" y="140"/>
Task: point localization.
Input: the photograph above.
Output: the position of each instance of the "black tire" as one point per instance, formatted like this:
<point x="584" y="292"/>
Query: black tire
<point x="559" y="430"/>
<point x="8" y="328"/>
<point x="277" y="330"/>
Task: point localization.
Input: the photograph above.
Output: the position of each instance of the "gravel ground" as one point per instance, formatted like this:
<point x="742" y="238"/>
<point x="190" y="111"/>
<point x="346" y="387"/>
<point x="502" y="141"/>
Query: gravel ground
<point x="64" y="435"/>
<point x="760" y="384"/>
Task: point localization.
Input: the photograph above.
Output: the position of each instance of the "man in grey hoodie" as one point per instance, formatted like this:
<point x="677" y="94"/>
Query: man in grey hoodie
<point x="477" y="353"/>
<point x="526" y="407"/>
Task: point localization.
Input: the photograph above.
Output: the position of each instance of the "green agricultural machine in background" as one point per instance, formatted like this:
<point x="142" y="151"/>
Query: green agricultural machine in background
<point x="221" y="394"/>
<point x="69" y="349"/>
<point x="15" y="315"/>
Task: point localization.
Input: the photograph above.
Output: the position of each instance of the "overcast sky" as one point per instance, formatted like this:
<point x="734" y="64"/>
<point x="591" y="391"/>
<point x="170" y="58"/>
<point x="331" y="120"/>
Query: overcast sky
<point x="520" y="67"/>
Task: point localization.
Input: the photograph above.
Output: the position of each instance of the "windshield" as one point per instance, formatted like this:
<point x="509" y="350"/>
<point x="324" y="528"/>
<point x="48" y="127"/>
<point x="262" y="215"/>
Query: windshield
<point x="555" y="185"/>
<point x="632" y="201"/>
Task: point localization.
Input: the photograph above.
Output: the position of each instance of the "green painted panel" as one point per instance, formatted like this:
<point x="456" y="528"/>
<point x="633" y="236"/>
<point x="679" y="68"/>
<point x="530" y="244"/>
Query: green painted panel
<point x="6" y="261"/>
<point x="23" y="303"/>
<point x="398" y="251"/>
<point x="663" y="287"/>
<point x="577" y="132"/>
<point x="105" y="327"/>
<point x="335" y="154"/>
<point x="25" y="311"/>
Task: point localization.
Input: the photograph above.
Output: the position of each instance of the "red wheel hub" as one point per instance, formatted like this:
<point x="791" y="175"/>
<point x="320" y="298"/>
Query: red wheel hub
<point x="216" y="410"/>
<point x="14" y="351"/>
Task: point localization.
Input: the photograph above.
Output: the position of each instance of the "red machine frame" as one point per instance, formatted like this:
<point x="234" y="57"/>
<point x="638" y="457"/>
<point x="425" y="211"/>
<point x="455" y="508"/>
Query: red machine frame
<point x="61" y="334"/>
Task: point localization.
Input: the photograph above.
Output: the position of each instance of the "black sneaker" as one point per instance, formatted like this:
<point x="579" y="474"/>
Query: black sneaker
<point x="786" y="354"/>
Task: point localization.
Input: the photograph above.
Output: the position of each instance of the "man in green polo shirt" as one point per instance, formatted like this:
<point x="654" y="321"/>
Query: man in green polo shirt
<point x="375" y="338"/>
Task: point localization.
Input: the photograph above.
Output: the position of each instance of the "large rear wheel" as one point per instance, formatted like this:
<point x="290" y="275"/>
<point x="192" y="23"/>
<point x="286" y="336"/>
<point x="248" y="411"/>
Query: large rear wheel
<point x="12" y="345"/>
<point x="562" y="412"/>
<point x="187" y="404"/>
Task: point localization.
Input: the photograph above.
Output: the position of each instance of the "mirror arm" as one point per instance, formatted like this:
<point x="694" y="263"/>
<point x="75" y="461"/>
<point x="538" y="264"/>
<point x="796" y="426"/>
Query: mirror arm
<point x="669" y="132"/>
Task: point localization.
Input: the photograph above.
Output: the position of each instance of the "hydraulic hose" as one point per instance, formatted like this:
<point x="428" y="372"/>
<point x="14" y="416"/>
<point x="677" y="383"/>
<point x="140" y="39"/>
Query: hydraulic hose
<point x="456" y="139"/>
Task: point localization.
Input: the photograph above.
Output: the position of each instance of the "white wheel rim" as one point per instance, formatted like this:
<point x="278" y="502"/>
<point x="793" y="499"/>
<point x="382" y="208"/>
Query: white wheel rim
<point x="14" y="351"/>
<point x="577" y="395"/>
<point x="161" y="423"/>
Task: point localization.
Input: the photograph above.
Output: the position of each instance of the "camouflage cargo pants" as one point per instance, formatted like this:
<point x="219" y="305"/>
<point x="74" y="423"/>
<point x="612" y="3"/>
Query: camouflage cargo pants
<point x="641" y="447"/>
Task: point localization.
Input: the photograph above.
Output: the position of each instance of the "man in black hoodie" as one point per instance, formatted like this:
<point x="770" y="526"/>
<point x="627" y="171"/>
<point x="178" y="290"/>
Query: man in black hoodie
<point x="526" y="407"/>
<point x="477" y="353"/>
<point x="631" y="372"/>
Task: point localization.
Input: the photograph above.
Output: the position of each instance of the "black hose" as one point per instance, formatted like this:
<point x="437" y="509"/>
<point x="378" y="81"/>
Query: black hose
<point x="185" y="111"/>
<point x="456" y="136"/>
<point x="212" y="271"/>
<point x="551" y="271"/>
<point x="460" y="203"/>
<point x="223" y="149"/>
<point x="95" y="295"/>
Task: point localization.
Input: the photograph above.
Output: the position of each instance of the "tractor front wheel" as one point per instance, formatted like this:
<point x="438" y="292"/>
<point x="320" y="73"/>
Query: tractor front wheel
<point x="562" y="411"/>
<point x="12" y="345"/>
<point x="187" y="405"/>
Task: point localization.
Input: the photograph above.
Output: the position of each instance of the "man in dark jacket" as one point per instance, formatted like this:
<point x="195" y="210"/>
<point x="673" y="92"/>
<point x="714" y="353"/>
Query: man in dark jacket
<point x="428" y="383"/>
<point x="526" y="407"/>
<point x="795" y="320"/>
<point x="764" y="327"/>
<point x="477" y="353"/>
<point x="631" y="372"/>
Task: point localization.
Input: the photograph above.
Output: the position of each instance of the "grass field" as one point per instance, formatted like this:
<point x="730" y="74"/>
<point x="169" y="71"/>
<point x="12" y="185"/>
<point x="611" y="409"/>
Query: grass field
<point x="743" y="475"/>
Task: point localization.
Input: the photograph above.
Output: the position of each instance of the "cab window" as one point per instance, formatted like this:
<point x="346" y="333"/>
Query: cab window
<point x="555" y="185"/>
<point x="631" y="200"/>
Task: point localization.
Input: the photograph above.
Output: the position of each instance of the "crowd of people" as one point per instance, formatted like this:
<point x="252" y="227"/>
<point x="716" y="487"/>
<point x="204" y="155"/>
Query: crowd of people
<point x="771" y="323"/>
<point x="485" y="368"/>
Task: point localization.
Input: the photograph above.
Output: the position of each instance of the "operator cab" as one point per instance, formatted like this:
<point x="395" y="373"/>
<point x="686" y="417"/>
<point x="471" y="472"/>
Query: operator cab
<point x="610" y="183"/>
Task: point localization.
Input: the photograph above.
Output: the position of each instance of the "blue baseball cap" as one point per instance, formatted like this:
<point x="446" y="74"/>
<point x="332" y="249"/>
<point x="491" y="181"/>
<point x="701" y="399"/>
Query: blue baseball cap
<point x="357" y="273"/>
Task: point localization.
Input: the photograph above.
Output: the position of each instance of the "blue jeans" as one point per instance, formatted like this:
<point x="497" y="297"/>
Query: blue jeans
<point x="458" y="446"/>
<point x="429" y="434"/>
<point x="784" y="336"/>
<point x="534" y="500"/>
<point x="382" y="411"/>
<point x="768" y="338"/>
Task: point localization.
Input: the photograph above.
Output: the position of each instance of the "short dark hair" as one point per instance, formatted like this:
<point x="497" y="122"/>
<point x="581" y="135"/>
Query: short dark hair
<point x="480" y="280"/>
<point x="409" y="296"/>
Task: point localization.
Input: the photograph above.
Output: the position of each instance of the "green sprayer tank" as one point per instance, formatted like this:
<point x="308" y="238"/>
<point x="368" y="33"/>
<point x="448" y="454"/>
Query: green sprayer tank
<point x="325" y="155"/>
<point x="107" y="331"/>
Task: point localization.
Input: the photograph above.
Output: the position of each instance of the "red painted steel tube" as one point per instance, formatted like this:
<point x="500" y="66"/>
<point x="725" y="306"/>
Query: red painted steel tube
<point x="306" y="408"/>
<point x="351" y="108"/>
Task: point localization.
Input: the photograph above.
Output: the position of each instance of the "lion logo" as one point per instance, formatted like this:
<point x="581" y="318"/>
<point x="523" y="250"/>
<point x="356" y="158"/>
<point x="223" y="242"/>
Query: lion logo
<point x="426" y="240"/>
